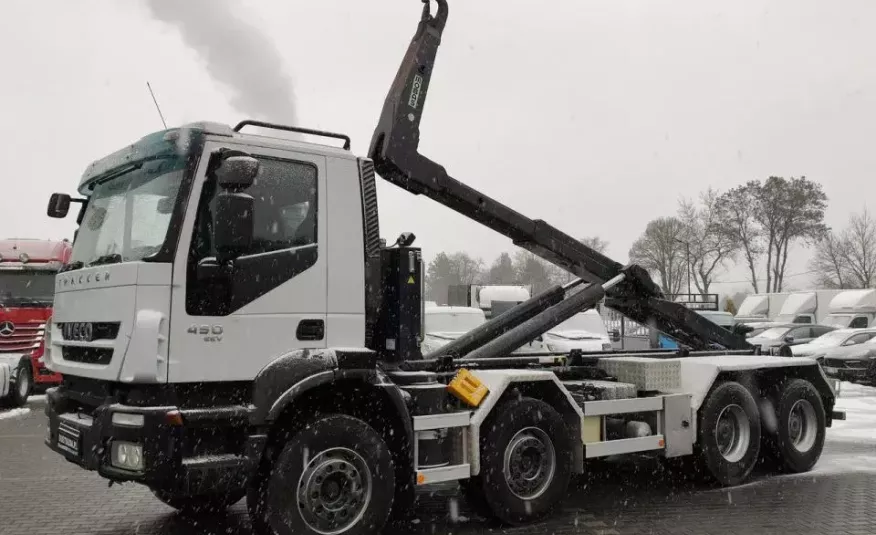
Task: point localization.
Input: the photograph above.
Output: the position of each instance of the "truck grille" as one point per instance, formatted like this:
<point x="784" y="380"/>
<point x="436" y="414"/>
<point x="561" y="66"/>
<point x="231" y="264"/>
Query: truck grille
<point x="21" y="337"/>
<point x="87" y="331"/>
<point x="838" y="363"/>
<point x="88" y="355"/>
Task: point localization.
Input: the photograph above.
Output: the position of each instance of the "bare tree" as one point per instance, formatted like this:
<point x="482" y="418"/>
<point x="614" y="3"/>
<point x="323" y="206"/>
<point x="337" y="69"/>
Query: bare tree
<point x="735" y="210"/>
<point x="860" y="249"/>
<point x="710" y="245"/>
<point x="502" y="271"/>
<point x="848" y="259"/>
<point x="531" y="269"/>
<point x="464" y="268"/>
<point x="769" y="217"/>
<point x="829" y="262"/>
<point x="660" y="251"/>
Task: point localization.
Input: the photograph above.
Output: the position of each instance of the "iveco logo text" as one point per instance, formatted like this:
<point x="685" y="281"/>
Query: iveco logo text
<point x="83" y="278"/>
<point x="7" y="328"/>
<point x="78" y="331"/>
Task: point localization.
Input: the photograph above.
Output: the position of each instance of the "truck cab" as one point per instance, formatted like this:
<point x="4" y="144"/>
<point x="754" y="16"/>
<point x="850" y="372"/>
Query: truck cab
<point x="27" y="284"/>
<point x="852" y="309"/>
<point x="147" y="272"/>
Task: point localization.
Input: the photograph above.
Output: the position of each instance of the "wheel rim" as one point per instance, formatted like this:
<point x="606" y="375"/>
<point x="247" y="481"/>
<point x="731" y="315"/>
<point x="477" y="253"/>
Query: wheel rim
<point x="530" y="463"/>
<point x="23" y="383"/>
<point x="334" y="491"/>
<point x="732" y="433"/>
<point x="802" y="425"/>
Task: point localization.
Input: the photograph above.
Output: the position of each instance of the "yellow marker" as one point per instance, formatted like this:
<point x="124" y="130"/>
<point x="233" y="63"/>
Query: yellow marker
<point x="468" y="388"/>
<point x="411" y="280"/>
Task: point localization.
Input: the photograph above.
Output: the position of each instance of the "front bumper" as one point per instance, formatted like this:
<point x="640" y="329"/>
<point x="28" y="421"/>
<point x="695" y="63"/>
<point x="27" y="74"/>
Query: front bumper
<point x="171" y="459"/>
<point x="852" y="371"/>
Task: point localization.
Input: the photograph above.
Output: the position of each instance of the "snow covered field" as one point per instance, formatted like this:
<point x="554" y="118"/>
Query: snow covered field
<point x="851" y="444"/>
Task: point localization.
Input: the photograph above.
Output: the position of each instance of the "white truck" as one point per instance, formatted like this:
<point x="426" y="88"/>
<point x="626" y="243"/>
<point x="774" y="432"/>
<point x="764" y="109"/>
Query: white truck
<point x="853" y="309"/>
<point x="760" y="308"/>
<point x="806" y="307"/>
<point x="259" y="341"/>
<point x="493" y="299"/>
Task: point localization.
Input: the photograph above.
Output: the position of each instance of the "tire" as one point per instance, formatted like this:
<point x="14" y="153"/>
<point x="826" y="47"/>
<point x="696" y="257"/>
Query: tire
<point x="201" y="504"/>
<point x="798" y="440"/>
<point x="728" y="432"/>
<point x="521" y="434"/>
<point x="345" y="483"/>
<point x="22" y="387"/>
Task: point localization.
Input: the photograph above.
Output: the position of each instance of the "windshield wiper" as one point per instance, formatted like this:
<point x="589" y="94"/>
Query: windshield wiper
<point x="72" y="266"/>
<point x="113" y="258"/>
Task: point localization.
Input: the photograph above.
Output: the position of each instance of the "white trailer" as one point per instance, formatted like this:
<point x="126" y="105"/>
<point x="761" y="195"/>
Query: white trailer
<point x="756" y="308"/>
<point x="852" y="309"/>
<point x="806" y="307"/>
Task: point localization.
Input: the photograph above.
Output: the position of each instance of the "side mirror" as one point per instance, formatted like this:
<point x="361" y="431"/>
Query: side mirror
<point x="59" y="205"/>
<point x="232" y="224"/>
<point x="789" y="339"/>
<point x="614" y="335"/>
<point x="237" y="171"/>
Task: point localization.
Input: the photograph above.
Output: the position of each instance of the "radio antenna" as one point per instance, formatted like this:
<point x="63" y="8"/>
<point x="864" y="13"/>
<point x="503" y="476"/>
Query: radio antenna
<point x="157" y="107"/>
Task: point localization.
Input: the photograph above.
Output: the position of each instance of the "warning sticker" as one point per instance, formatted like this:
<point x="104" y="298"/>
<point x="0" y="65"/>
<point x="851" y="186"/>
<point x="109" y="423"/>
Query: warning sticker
<point x="411" y="280"/>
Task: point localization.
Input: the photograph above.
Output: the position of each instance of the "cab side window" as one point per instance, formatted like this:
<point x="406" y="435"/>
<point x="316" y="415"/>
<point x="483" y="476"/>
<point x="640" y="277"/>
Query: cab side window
<point x="284" y="241"/>
<point x="858" y="323"/>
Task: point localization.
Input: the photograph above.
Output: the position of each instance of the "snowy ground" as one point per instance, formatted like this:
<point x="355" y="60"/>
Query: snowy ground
<point x="852" y="441"/>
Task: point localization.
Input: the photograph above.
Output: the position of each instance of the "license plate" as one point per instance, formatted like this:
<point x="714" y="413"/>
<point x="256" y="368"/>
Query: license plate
<point x="68" y="439"/>
<point x="829" y="369"/>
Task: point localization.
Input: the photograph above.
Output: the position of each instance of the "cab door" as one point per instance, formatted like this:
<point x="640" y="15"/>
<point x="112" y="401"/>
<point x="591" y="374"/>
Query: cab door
<point x="272" y="300"/>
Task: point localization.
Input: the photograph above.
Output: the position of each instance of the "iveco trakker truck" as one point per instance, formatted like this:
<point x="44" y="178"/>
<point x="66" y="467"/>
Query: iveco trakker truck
<point x="240" y="330"/>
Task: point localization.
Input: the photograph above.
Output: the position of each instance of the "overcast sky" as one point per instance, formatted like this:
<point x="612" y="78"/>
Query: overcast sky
<point x="593" y="115"/>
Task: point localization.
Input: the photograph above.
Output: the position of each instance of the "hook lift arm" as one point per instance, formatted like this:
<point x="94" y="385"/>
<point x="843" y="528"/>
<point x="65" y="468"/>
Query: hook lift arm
<point x="394" y="150"/>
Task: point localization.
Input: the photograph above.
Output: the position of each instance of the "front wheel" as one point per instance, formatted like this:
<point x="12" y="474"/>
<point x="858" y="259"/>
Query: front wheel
<point x="334" y="476"/>
<point x="526" y="462"/>
<point x="21" y="388"/>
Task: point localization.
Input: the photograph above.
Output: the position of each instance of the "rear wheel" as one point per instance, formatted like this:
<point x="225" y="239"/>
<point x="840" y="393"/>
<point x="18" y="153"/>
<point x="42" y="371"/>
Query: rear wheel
<point x="526" y="463"/>
<point x="334" y="476"/>
<point x="798" y="438"/>
<point x="729" y="433"/>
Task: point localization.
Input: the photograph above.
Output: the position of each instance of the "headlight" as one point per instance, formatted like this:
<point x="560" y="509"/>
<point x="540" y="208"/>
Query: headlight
<point x="127" y="455"/>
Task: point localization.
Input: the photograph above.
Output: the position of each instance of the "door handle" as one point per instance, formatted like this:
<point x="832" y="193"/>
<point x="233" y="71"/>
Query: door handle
<point x="310" y="330"/>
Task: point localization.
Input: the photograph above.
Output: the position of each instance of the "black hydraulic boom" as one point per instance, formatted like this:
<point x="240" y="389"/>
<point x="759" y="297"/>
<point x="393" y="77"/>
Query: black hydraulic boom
<point x="394" y="150"/>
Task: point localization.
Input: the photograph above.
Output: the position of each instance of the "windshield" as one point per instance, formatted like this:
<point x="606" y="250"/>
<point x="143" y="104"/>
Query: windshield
<point x="831" y="339"/>
<point x="773" y="333"/>
<point x="128" y="214"/>
<point x="27" y="288"/>
<point x="452" y="322"/>
<point x="838" y="320"/>
<point x="591" y="323"/>
<point x="756" y="332"/>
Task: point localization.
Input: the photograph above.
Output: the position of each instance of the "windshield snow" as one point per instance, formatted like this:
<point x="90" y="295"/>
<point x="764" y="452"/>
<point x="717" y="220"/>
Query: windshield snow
<point x="830" y="339"/>
<point x="592" y="323"/>
<point x="128" y="215"/>
<point x="773" y="333"/>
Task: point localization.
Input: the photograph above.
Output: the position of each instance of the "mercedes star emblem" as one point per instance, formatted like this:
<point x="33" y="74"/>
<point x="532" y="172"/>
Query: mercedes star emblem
<point x="7" y="328"/>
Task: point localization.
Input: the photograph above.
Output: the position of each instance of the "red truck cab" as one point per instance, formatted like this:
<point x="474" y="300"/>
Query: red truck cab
<point x="27" y="289"/>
